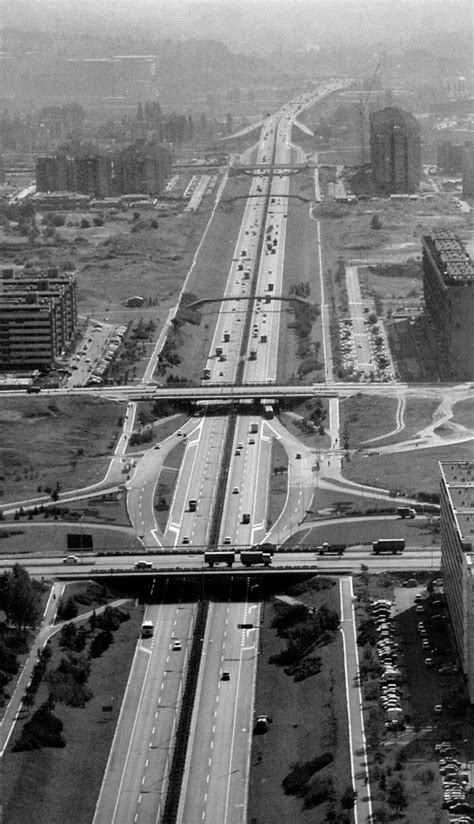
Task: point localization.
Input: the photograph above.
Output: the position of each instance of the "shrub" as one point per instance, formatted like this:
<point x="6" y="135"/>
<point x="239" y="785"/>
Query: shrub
<point x="84" y="224"/>
<point x="67" y="608"/>
<point x="100" y="643"/>
<point x="43" y="730"/>
<point x="320" y="790"/>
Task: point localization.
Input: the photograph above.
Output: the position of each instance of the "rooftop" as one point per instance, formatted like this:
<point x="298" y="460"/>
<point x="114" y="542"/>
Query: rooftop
<point x="459" y="480"/>
<point x="453" y="259"/>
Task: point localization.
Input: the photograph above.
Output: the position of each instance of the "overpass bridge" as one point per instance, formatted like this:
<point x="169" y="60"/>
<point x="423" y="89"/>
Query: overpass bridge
<point x="267" y="297"/>
<point x="221" y="392"/>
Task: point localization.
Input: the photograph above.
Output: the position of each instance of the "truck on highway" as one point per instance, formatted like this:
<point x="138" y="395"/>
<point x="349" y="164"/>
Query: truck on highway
<point x="252" y="557"/>
<point x="253" y="354"/>
<point x="331" y="549"/>
<point x="406" y="512"/>
<point x="218" y="350"/>
<point x="226" y="337"/>
<point x="192" y="505"/>
<point x="392" y="545"/>
<point x="219" y="557"/>
<point x="206" y="373"/>
<point x="254" y="428"/>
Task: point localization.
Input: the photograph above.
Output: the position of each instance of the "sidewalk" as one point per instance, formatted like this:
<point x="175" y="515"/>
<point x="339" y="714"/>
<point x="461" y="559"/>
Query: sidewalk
<point x="358" y="752"/>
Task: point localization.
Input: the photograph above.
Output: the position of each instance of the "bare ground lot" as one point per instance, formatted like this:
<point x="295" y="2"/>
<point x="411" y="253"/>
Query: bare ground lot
<point x="51" y="440"/>
<point x="309" y="717"/>
<point x="46" y="776"/>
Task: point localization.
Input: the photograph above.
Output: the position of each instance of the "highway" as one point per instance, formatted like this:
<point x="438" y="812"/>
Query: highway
<point x="217" y="769"/>
<point x="136" y="776"/>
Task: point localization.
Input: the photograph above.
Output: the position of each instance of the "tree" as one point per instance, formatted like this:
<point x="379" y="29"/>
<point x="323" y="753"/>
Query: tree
<point x="396" y="795"/>
<point x="348" y="798"/>
<point x="19" y="598"/>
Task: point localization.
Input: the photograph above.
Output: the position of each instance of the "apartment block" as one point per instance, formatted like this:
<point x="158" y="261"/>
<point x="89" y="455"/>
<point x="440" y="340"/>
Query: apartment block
<point x="395" y="152"/>
<point x="38" y="317"/>
<point x="457" y="557"/>
<point x="448" y="287"/>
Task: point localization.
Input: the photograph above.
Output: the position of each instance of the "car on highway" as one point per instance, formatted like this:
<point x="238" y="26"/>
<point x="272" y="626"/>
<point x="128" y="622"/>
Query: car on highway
<point x="235" y="490"/>
<point x="225" y="676"/>
<point x="71" y="559"/>
<point x="177" y="645"/>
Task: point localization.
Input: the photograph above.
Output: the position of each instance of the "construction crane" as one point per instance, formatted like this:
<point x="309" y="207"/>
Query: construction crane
<point x="363" y="112"/>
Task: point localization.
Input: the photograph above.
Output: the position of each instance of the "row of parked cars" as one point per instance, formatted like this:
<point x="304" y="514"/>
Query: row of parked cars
<point x="455" y="785"/>
<point x="387" y="651"/>
<point x="113" y="344"/>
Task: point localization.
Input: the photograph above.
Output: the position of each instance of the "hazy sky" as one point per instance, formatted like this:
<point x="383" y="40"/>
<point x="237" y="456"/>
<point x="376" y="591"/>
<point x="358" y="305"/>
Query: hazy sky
<point x="237" y="21"/>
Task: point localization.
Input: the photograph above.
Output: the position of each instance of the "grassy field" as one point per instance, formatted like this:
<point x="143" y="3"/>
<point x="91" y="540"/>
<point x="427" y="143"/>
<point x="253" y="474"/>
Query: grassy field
<point x="364" y="417"/>
<point x="416" y="533"/>
<point x="46" y="440"/>
<point x="46" y="776"/>
<point x="463" y="413"/>
<point x="278" y="483"/>
<point x="418" y="414"/>
<point x="406" y="472"/>
<point x="309" y="717"/>
<point x="300" y="265"/>
<point x="32" y="538"/>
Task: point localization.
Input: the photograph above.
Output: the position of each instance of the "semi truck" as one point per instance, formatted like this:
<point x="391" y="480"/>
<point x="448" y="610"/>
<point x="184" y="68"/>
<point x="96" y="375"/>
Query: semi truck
<point x="219" y="557"/>
<point x="392" y="545"/>
<point x="252" y="557"/>
<point x="331" y="549"/>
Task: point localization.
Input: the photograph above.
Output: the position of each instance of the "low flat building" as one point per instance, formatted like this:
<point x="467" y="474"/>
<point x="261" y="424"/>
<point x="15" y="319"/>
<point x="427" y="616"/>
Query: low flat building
<point x="457" y="557"/>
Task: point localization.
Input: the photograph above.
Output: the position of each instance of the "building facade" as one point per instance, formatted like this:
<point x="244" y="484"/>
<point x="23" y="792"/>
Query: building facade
<point x="395" y="152"/>
<point x="38" y="317"/>
<point x="448" y="287"/>
<point x="139" y="168"/>
<point x="457" y="557"/>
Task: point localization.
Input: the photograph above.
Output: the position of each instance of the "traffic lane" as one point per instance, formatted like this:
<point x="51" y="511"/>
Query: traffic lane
<point x="217" y="739"/>
<point x="152" y="727"/>
<point x="205" y="479"/>
<point x="240" y="488"/>
<point x="227" y="786"/>
<point x="134" y="698"/>
<point x="163" y="736"/>
<point x="180" y="518"/>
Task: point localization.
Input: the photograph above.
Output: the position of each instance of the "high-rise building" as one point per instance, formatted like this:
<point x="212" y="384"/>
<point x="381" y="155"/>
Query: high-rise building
<point x="395" y="151"/>
<point x="55" y="174"/>
<point x="448" y="287"/>
<point x="94" y="175"/>
<point x="141" y="168"/>
<point x="38" y="316"/>
<point x="457" y="557"/>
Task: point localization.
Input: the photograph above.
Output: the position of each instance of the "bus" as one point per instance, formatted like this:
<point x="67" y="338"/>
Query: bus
<point x="147" y="629"/>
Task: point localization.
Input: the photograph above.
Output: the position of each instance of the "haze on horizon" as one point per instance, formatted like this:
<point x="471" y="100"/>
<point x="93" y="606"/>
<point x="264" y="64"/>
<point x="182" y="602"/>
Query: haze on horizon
<point x="257" y="25"/>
